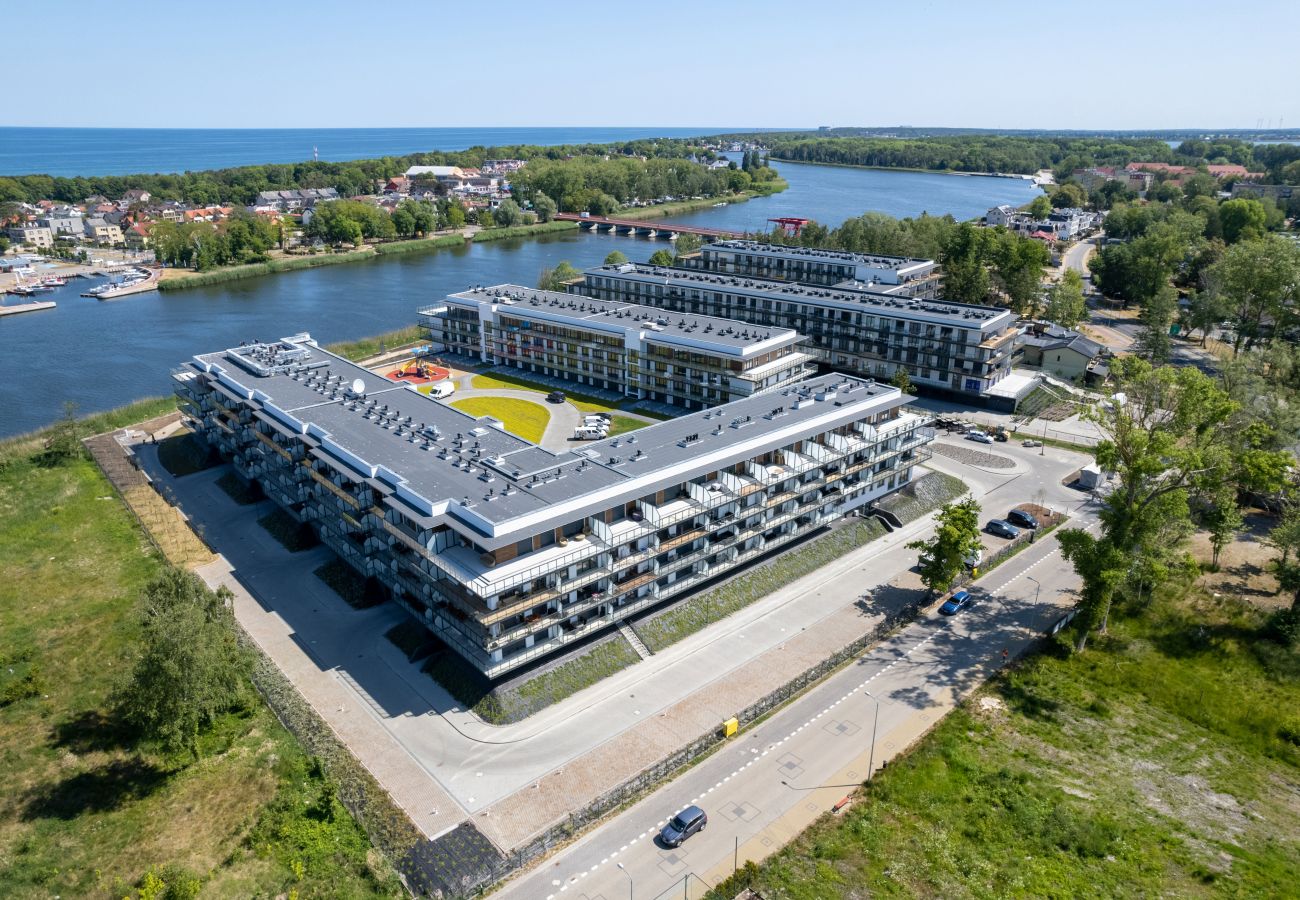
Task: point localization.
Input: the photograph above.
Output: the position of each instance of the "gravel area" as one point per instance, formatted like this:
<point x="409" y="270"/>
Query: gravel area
<point x="972" y="457"/>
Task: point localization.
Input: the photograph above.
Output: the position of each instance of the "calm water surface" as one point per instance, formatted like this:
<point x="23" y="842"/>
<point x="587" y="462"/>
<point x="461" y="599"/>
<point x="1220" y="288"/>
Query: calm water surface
<point x="103" y="354"/>
<point x="123" y="151"/>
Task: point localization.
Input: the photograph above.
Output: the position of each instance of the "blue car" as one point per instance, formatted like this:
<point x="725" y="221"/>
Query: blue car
<point x="1003" y="528"/>
<point x="955" y="604"/>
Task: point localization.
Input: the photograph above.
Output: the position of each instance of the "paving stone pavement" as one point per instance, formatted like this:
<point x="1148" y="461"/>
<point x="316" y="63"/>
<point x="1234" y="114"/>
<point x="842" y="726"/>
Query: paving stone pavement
<point x="517" y="818"/>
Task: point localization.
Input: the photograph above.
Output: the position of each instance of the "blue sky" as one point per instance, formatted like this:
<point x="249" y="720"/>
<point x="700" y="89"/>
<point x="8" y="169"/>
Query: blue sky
<point x="967" y="63"/>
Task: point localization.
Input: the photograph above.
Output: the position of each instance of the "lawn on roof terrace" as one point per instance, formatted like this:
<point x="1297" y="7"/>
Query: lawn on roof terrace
<point x="521" y="417"/>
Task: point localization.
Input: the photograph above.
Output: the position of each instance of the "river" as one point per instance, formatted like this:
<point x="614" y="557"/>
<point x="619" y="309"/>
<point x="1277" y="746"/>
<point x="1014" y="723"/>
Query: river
<point x="103" y="354"/>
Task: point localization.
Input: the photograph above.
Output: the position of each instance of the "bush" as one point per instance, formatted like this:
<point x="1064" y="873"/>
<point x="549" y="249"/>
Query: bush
<point x="245" y="493"/>
<point x="1283" y="627"/>
<point x="359" y="592"/>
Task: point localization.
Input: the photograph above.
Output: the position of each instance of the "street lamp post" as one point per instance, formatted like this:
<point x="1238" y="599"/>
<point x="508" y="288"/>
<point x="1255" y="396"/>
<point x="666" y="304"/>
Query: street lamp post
<point x="629" y="881"/>
<point x="875" y="722"/>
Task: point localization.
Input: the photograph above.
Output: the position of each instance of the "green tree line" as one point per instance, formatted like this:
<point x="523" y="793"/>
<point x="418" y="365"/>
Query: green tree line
<point x="241" y="184"/>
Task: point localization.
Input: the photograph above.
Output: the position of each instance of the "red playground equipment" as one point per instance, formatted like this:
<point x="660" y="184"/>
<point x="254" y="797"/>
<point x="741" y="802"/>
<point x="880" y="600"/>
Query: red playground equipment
<point x="417" y="372"/>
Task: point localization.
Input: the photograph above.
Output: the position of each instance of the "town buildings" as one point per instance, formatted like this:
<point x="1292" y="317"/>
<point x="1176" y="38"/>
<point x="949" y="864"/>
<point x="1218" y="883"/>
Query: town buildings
<point x="950" y="348"/>
<point x="31" y="234"/>
<point x="1060" y="225"/>
<point x="510" y="553"/>
<point x="295" y="200"/>
<point x="641" y="352"/>
<point x="1063" y="352"/>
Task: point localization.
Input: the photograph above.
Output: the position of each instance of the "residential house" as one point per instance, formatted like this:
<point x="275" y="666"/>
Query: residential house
<point x="101" y="231"/>
<point x="31" y="234"/>
<point x="137" y="236"/>
<point x="295" y="200"/>
<point x="135" y="195"/>
<point x="1280" y="194"/>
<point x="1063" y="352"/>
<point x="1003" y="215"/>
<point x="65" y="223"/>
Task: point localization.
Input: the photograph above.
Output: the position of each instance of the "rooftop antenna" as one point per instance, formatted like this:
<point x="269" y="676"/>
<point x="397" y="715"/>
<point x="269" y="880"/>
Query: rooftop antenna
<point x="358" y="386"/>
<point x="315" y="153"/>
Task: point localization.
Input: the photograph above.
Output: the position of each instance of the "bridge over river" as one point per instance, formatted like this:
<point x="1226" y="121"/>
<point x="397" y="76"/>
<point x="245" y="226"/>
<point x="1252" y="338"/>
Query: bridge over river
<point x="646" y="229"/>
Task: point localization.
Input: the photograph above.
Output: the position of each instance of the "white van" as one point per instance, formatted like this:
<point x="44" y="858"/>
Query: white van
<point x="589" y="433"/>
<point x="442" y="389"/>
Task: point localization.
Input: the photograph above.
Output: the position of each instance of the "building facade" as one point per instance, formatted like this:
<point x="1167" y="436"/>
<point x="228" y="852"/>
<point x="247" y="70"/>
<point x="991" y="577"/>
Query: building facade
<point x="510" y="553"/>
<point x="754" y="259"/>
<point x="32" y="235"/>
<point x="952" y="348"/>
<point x="693" y="362"/>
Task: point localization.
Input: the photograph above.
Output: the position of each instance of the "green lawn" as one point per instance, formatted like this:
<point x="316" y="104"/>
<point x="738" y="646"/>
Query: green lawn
<point x="715" y="604"/>
<point x="1165" y="761"/>
<point x="504" y="381"/>
<point x="623" y="424"/>
<point x="517" y="700"/>
<point x="522" y="417"/>
<point x="84" y="811"/>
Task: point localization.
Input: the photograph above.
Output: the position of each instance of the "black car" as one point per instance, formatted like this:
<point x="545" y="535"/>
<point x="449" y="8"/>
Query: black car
<point x="1022" y="518"/>
<point x="555" y="397"/>
<point x="683" y="825"/>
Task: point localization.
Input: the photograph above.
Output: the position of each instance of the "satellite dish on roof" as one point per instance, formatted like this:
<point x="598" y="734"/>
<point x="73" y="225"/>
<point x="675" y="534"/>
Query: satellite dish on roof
<point x="358" y="386"/>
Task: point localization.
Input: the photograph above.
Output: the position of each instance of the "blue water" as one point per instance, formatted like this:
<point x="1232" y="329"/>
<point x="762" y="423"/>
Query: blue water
<point x="102" y="354"/>
<point x="123" y="151"/>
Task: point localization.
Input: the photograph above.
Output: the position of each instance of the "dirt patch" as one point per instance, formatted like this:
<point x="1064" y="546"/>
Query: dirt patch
<point x="972" y="457"/>
<point x="1243" y="565"/>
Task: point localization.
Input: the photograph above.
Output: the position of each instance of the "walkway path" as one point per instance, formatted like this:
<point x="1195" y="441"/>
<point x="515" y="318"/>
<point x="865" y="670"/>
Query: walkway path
<point x="564" y="417"/>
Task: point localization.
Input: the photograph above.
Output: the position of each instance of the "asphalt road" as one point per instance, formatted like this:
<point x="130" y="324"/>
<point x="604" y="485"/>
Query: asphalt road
<point x="770" y="783"/>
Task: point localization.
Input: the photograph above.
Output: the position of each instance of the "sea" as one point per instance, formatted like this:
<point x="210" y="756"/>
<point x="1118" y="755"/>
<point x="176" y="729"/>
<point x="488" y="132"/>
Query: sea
<point x="101" y="354"/>
<point x="124" y="151"/>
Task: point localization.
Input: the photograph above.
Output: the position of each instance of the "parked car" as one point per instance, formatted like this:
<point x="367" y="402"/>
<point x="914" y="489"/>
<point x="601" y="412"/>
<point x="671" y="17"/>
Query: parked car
<point x="955" y="604"/>
<point x="683" y="825"/>
<point x="1031" y="442"/>
<point x="555" y="397"/>
<point x="590" y="433"/>
<point x="982" y="437"/>
<point x="1022" y="518"/>
<point x="1003" y="528"/>
<point x="974" y="558"/>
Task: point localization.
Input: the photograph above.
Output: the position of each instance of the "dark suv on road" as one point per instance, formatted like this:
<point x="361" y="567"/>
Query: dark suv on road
<point x="683" y="825"/>
<point x="1022" y="518"/>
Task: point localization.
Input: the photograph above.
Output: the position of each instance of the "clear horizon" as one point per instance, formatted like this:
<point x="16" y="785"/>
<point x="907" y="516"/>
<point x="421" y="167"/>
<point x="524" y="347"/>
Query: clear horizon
<point x="1112" y="66"/>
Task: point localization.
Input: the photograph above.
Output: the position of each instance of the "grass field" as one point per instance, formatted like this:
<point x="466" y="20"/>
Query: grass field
<point x="502" y="381"/>
<point x="522" y="417"/>
<point x="1165" y="761"/>
<point x="86" y="812"/>
<point x="370" y="346"/>
<point x="667" y="628"/>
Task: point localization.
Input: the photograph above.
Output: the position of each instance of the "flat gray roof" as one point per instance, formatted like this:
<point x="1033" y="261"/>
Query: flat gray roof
<point x="815" y="254"/>
<point x="439" y="462"/>
<point x="962" y="315"/>
<point x="724" y="335"/>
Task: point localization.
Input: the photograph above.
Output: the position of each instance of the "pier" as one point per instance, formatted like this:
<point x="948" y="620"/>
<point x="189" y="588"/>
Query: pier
<point x="26" y="307"/>
<point x="646" y="229"/>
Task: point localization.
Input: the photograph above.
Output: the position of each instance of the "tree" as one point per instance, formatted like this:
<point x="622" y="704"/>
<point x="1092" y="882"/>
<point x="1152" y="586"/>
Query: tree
<point x="616" y="258"/>
<point x="661" y="258"/>
<point x="1204" y="310"/>
<point x="1153" y="341"/>
<point x="1065" y="303"/>
<point x="1040" y="207"/>
<point x="190" y="669"/>
<point x="1222" y="518"/>
<point x="1069" y="196"/>
<point x="1242" y="219"/>
<point x="1018" y="265"/>
<point x="965" y="278"/>
<point x="508" y="214"/>
<point x="687" y="244"/>
<point x="902" y="380"/>
<point x="557" y="279"/>
<point x="956" y="538"/>
<point x="455" y="216"/>
<point x="1258" y="281"/>
<point x="1170" y="438"/>
<point x="545" y="207"/>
